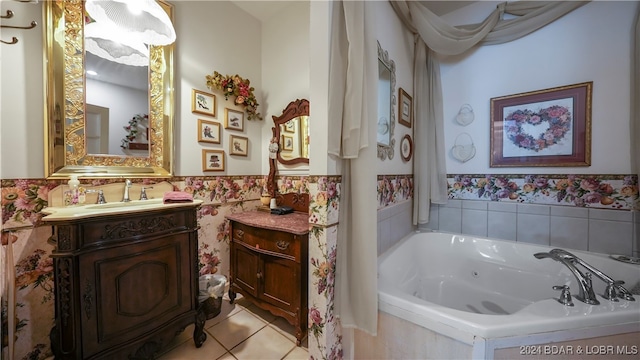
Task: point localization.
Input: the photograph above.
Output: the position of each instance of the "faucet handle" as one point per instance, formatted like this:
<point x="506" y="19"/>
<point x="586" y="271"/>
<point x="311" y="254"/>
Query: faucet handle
<point x="143" y="192"/>
<point x="610" y="292"/>
<point x="101" y="199"/>
<point x="565" y="295"/>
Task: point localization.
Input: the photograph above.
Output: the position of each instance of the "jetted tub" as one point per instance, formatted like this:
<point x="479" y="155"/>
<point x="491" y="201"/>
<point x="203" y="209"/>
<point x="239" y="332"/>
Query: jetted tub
<point x="467" y="287"/>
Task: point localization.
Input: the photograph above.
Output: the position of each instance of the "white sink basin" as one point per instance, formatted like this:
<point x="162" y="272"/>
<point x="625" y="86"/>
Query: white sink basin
<point x="114" y="208"/>
<point x="125" y="205"/>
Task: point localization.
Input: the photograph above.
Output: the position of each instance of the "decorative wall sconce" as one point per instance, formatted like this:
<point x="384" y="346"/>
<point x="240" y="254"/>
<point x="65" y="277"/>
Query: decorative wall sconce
<point x="463" y="148"/>
<point x="465" y="115"/>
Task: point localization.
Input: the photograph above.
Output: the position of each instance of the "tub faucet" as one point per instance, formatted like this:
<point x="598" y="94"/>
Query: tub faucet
<point x="585" y="288"/>
<point x="127" y="185"/>
<point x="614" y="288"/>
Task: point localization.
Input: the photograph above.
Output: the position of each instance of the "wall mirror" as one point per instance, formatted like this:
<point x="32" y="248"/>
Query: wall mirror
<point x="292" y="132"/>
<point x="73" y="145"/>
<point x="386" y="120"/>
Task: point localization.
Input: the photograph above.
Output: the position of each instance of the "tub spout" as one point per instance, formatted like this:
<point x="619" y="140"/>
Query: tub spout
<point x="586" y="294"/>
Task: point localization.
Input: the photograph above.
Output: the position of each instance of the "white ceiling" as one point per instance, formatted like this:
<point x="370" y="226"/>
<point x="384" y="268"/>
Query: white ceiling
<point x="265" y="9"/>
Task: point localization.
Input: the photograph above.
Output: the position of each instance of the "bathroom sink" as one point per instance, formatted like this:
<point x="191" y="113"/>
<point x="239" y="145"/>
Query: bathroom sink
<point x="113" y="208"/>
<point x="125" y="205"/>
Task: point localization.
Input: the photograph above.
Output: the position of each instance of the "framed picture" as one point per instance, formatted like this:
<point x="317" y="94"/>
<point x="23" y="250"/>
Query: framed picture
<point x="233" y="119"/>
<point x="203" y="103"/>
<point x="406" y="148"/>
<point x="238" y="145"/>
<point x="550" y="127"/>
<point x="287" y="143"/>
<point x="208" y="131"/>
<point x="405" y="110"/>
<point x="212" y="160"/>
<point x="290" y="126"/>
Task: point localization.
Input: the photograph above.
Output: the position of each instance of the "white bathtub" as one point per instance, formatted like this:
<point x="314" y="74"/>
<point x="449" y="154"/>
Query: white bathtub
<point x="467" y="287"/>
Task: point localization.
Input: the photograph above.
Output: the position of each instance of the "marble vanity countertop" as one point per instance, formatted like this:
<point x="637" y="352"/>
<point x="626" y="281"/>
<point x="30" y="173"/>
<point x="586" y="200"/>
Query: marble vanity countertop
<point x="294" y="223"/>
<point x="97" y="210"/>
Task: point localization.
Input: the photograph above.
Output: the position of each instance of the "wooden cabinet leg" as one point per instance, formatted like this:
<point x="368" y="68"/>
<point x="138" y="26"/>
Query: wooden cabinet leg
<point x="199" y="336"/>
<point x="232" y="296"/>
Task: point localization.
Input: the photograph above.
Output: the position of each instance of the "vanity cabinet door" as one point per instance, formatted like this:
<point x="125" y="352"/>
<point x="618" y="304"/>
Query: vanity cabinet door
<point x="245" y="265"/>
<point x="279" y="280"/>
<point x="127" y="291"/>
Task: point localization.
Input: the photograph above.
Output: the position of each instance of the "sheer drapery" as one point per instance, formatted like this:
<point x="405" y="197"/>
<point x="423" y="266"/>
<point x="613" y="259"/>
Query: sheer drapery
<point x="433" y="185"/>
<point x="431" y="31"/>
<point x="352" y="102"/>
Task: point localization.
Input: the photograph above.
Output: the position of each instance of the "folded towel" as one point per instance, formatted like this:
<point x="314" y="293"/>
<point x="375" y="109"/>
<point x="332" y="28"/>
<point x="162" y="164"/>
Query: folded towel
<point x="177" y="197"/>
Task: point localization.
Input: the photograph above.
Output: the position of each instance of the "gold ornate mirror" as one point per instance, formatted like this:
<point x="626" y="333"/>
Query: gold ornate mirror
<point x="67" y="112"/>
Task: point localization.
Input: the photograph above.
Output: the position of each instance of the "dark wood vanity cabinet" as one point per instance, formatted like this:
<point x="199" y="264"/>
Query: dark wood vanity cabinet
<point x="125" y="284"/>
<point x="269" y="264"/>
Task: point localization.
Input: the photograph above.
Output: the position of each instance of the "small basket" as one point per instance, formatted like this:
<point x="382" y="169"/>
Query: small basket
<point x="211" y="307"/>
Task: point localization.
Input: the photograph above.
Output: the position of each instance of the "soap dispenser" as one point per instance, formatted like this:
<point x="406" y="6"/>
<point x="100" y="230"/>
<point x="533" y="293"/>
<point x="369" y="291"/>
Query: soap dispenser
<point x="74" y="187"/>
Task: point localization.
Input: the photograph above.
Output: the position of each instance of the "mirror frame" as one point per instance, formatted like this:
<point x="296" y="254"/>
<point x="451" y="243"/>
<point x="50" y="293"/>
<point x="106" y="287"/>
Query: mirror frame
<point x="300" y="107"/>
<point x="293" y="110"/>
<point x="65" y="144"/>
<point x="387" y="151"/>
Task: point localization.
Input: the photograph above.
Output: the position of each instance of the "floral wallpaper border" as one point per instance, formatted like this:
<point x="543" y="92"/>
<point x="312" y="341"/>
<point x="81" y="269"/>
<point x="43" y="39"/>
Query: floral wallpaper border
<point x="619" y="192"/>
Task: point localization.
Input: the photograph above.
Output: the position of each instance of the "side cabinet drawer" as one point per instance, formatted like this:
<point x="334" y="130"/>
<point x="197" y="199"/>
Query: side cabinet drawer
<point x="279" y="243"/>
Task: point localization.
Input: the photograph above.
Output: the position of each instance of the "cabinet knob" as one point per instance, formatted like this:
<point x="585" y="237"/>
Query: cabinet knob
<point x="259" y="275"/>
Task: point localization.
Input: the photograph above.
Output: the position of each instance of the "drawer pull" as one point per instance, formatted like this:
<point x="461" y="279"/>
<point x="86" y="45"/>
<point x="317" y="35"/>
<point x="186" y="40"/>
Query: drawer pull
<point x="239" y="234"/>
<point x="282" y="244"/>
<point x="259" y="275"/>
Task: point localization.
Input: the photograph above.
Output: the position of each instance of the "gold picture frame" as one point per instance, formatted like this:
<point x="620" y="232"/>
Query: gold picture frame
<point x="238" y="145"/>
<point x="405" y="108"/>
<point x="213" y="160"/>
<point x="233" y="119"/>
<point x="208" y="131"/>
<point x="203" y="103"/>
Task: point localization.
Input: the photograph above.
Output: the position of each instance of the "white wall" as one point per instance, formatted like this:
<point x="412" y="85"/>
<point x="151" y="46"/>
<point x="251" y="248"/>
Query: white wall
<point x="592" y="43"/>
<point x="21" y="95"/>
<point x="285" y="71"/>
<point x="215" y="36"/>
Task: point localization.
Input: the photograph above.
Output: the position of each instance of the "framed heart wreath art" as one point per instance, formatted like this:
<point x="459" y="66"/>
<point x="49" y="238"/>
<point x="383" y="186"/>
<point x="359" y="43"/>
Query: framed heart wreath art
<point x="550" y="127"/>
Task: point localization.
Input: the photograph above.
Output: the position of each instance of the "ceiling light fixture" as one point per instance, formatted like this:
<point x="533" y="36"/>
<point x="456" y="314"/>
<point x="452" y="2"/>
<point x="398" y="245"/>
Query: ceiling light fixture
<point x="151" y="26"/>
<point x="117" y="47"/>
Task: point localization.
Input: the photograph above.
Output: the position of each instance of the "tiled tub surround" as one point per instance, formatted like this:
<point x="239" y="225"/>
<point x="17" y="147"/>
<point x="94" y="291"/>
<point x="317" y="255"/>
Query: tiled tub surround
<point x="597" y="230"/>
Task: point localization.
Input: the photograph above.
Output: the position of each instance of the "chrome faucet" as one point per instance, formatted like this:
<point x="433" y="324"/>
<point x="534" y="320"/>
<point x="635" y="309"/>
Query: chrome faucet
<point x="614" y="288"/>
<point x="127" y="186"/>
<point x="586" y="294"/>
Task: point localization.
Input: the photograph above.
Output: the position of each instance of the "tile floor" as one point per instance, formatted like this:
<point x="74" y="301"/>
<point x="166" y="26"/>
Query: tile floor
<point x="241" y="331"/>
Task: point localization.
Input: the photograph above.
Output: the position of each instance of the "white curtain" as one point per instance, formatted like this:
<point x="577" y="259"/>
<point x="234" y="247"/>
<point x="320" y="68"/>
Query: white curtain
<point x="352" y="103"/>
<point x="433" y="33"/>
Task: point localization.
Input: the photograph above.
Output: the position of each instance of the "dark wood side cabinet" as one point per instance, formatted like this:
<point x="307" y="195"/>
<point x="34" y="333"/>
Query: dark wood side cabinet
<point x="125" y="284"/>
<point x="269" y="264"/>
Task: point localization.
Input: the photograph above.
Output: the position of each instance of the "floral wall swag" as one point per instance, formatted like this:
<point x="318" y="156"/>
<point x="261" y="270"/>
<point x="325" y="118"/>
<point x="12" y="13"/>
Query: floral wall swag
<point x="238" y="87"/>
